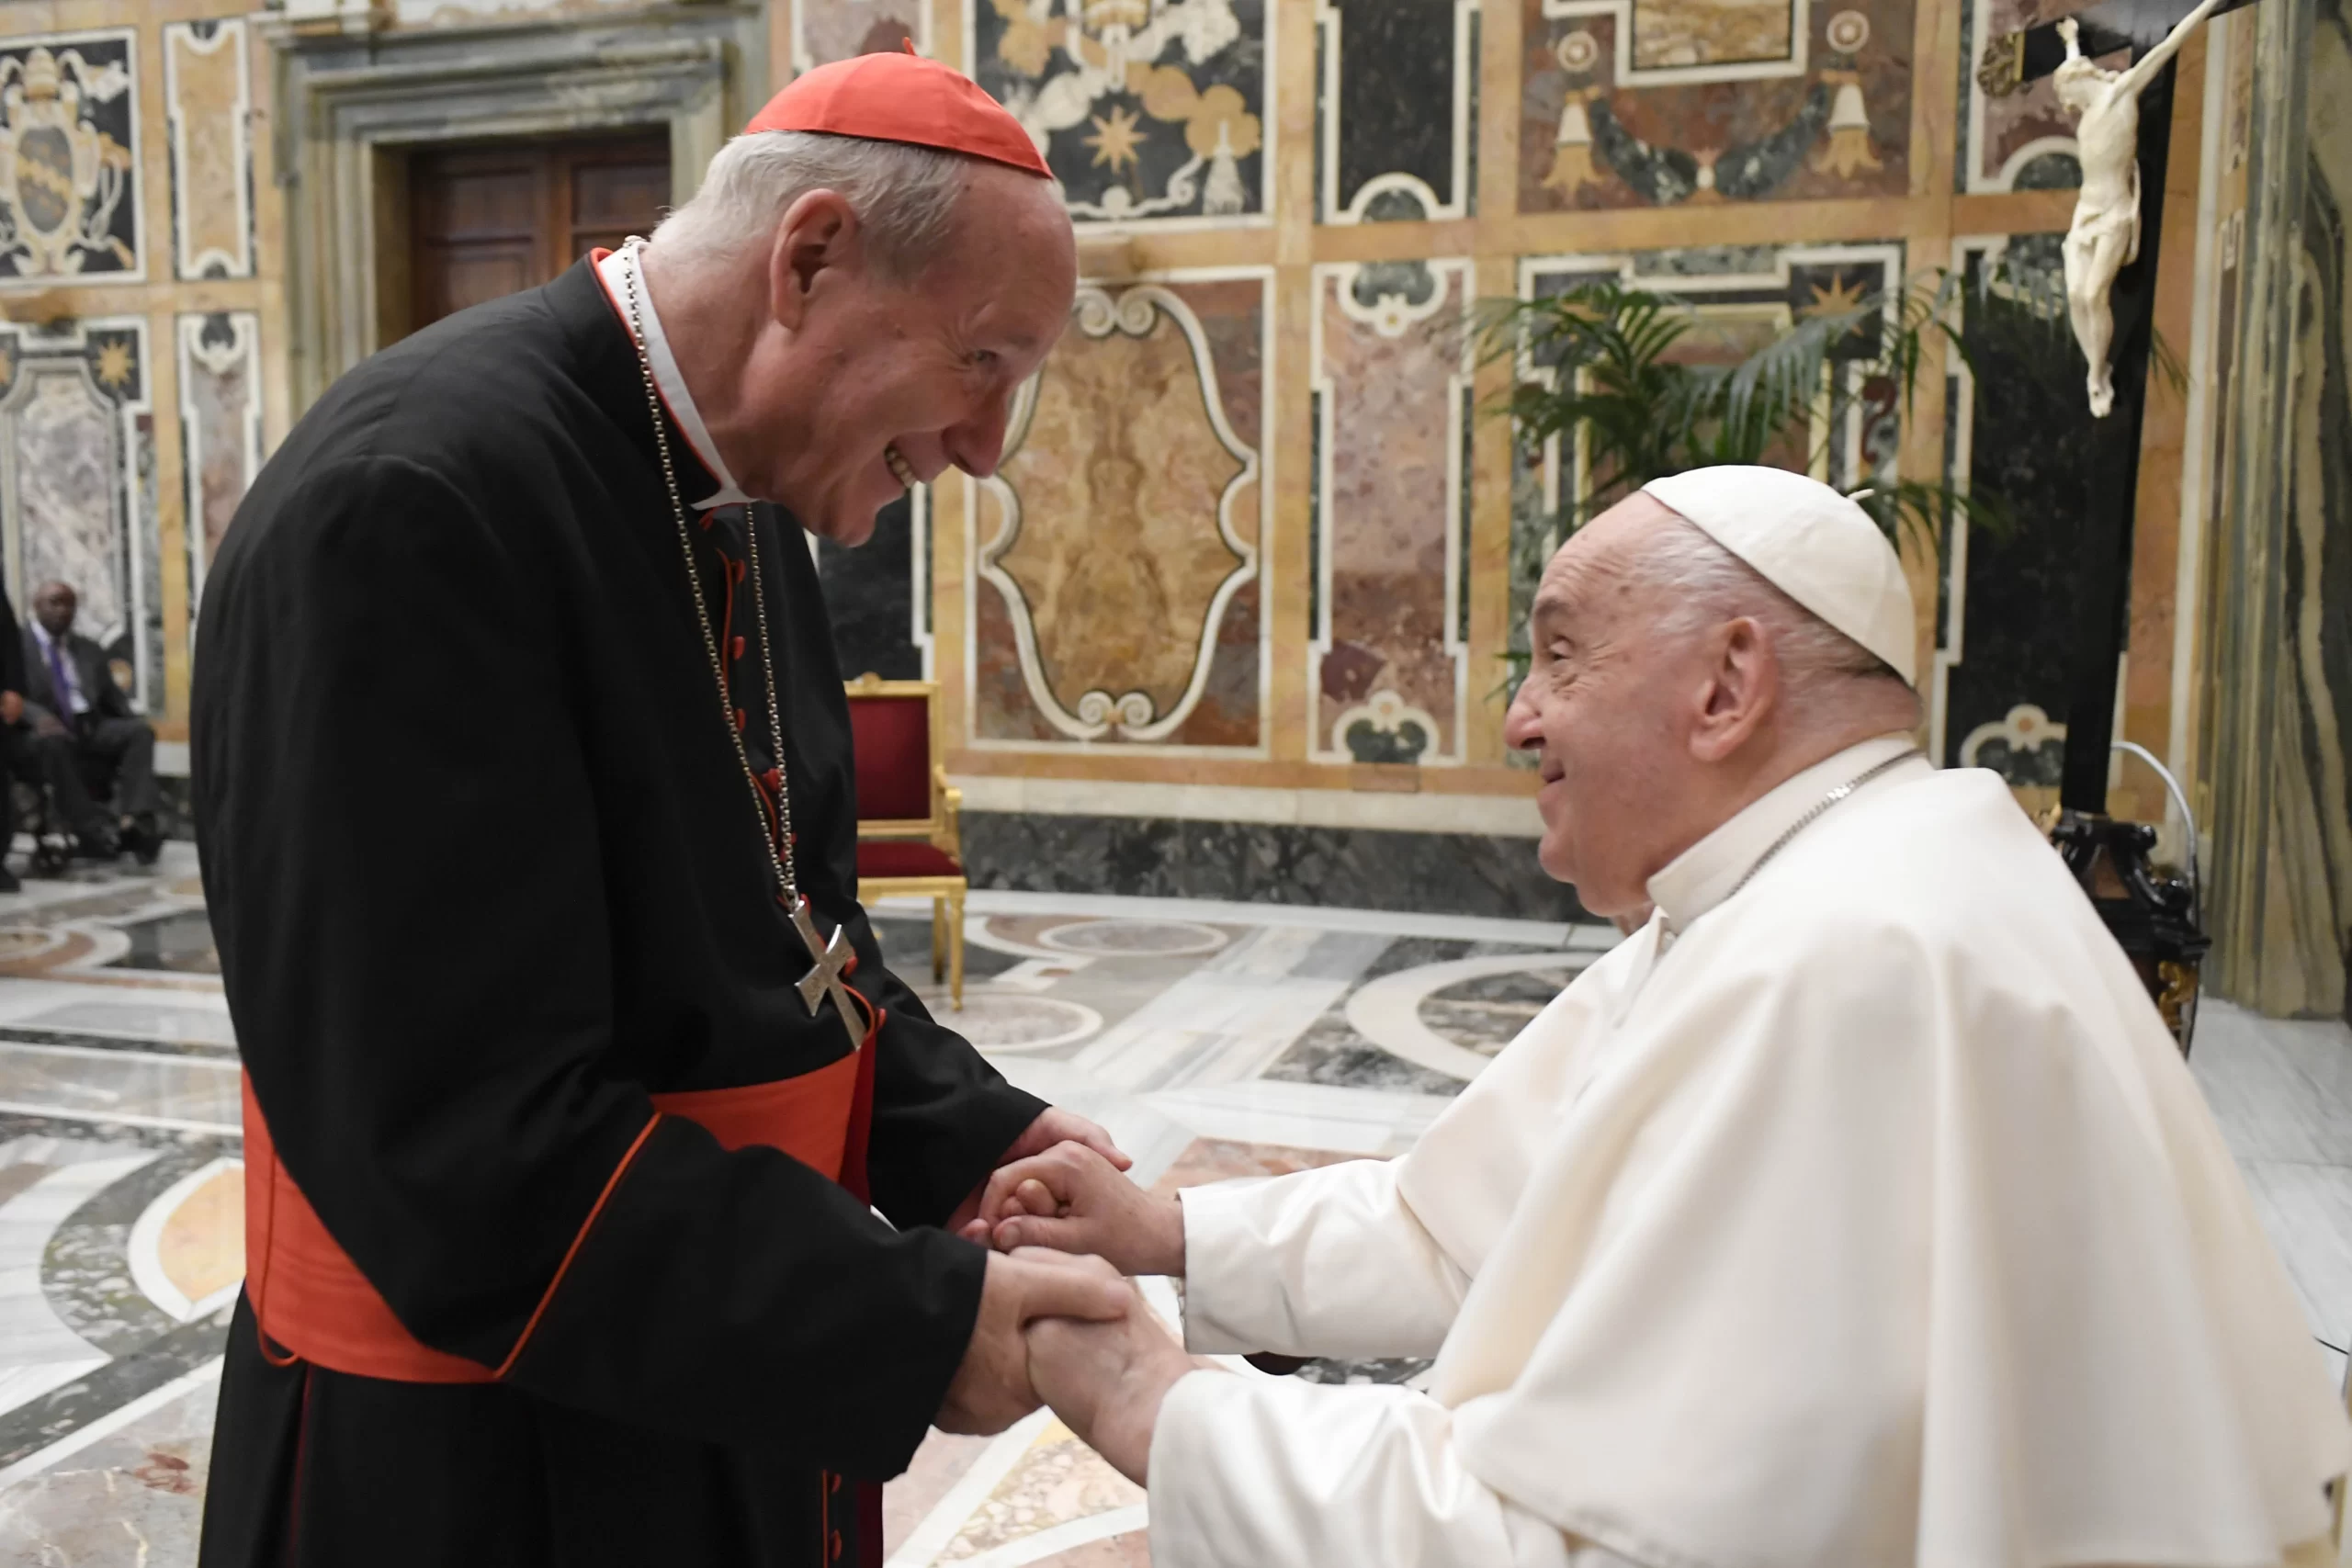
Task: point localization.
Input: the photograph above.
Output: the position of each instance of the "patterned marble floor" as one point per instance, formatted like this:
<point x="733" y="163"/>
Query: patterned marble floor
<point x="1214" y="1040"/>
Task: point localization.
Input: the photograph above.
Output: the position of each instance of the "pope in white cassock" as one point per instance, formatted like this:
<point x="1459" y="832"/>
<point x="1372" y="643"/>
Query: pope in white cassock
<point x="1856" y="1212"/>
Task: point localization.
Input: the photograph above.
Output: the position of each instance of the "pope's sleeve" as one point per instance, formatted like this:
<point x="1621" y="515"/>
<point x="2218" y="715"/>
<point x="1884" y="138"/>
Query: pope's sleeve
<point x="1325" y="1262"/>
<point x="1272" y="1473"/>
<point x="399" y="839"/>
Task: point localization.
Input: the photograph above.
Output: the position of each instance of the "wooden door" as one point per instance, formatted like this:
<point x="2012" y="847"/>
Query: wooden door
<point x="487" y="220"/>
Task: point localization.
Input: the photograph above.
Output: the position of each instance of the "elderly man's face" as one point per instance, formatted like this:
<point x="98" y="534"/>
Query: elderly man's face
<point x="885" y="383"/>
<point x="1599" y="708"/>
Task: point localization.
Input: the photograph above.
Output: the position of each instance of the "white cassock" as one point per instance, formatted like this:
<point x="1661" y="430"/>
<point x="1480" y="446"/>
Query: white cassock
<point x="1866" y="1218"/>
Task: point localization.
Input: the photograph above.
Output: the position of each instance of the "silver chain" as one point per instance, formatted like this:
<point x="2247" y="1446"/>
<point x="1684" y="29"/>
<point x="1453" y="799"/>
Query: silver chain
<point x="1823" y="803"/>
<point x="778" y="837"/>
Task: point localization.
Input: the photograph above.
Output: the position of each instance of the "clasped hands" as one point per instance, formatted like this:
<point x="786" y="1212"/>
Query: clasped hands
<point x="1066" y="1224"/>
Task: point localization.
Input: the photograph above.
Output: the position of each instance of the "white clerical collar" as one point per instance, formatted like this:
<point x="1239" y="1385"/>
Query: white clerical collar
<point x="1706" y="874"/>
<point x="613" y="271"/>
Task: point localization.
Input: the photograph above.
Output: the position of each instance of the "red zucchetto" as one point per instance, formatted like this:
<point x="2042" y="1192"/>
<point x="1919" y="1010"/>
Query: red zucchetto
<point x="902" y="97"/>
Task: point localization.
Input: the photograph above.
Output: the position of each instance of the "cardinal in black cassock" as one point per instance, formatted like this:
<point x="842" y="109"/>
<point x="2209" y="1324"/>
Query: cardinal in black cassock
<point x="518" y="737"/>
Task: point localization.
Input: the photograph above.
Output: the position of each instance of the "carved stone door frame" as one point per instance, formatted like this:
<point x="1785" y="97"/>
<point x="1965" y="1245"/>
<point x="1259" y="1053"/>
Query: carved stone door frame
<point x="346" y="100"/>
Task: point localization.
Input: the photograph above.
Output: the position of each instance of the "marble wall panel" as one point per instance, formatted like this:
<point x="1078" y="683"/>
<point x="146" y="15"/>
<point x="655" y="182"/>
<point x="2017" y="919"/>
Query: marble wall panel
<point x="1658" y="103"/>
<point x="1117" y="549"/>
<point x="1742" y="298"/>
<point x="1263" y="862"/>
<point x="1396" y="100"/>
<point x="2018" y="140"/>
<point x="2018" y="419"/>
<point x="827" y="30"/>
<point x="877" y="594"/>
<point x="207" y="104"/>
<point x="1393" y="360"/>
<point x="1148" y="110"/>
<point x="77" y="481"/>
<point x="473" y="13"/>
<point x="220" y="425"/>
<point x="69" y="159"/>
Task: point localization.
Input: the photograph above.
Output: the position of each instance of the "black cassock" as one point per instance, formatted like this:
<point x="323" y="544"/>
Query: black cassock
<point x="485" y="872"/>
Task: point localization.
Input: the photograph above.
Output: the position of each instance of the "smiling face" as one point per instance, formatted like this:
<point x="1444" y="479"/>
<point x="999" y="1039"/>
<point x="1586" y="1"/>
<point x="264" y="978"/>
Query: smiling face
<point x="874" y="384"/>
<point x="1606" y="707"/>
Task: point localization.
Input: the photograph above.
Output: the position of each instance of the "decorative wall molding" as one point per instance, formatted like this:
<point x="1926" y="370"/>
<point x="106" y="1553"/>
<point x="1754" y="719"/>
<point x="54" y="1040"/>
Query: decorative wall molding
<point x="220" y="428"/>
<point x="1138" y="312"/>
<point x="1651" y="51"/>
<point x="70" y="164"/>
<point x="1149" y="112"/>
<point x="77" y="476"/>
<point x="207" y="109"/>
<point x="1388" y="651"/>
<point x="345" y="101"/>
<point x="1359" y="178"/>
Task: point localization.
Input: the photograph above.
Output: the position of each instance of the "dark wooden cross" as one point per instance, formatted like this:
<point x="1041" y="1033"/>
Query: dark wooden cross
<point x="2010" y="62"/>
<point x="2153" y="918"/>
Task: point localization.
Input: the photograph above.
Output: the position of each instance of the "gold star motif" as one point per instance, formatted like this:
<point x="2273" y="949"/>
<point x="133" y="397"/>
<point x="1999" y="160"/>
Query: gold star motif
<point x="114" y="363"/>
<point x="1834" y="299"/>
<point x="1116" y="139"/>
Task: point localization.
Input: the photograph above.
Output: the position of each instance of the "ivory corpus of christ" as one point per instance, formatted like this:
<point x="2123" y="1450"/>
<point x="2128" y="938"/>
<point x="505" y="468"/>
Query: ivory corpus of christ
<point x="2103" y="237"/>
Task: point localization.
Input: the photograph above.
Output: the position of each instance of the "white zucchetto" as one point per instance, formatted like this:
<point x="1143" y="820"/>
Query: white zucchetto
<point x="1809" y="542"/>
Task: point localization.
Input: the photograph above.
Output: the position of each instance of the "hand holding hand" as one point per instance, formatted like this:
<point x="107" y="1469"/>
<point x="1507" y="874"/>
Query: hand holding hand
<point x="990" y="1390"/>
<point x="1053" y="1125"/>
<point x="1107" y="1380"/>
<point x="1072" y="1200"/>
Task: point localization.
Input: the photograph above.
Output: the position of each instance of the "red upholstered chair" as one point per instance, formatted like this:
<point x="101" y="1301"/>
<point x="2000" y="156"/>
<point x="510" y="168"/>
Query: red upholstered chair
<point x="908" y="843"/>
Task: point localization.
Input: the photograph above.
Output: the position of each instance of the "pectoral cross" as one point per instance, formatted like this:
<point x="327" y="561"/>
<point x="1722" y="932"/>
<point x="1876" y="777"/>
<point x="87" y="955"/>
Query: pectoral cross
<point x="833" y="958"/>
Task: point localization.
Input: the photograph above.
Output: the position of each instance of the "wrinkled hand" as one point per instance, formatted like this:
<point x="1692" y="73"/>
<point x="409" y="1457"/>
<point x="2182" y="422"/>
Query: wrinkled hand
<point x="1053" y="1125"/>
<point x="1070" y="1199"/>
<point x="991" y="1389"/>
<point x="1107" y="1380"/>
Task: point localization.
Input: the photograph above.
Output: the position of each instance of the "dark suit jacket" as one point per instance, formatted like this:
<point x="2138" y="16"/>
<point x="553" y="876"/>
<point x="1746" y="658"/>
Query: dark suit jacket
<point x="90" y="669"/>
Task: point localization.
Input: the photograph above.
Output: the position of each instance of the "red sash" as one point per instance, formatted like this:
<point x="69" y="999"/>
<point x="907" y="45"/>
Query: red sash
<point x="310" y="1299"/>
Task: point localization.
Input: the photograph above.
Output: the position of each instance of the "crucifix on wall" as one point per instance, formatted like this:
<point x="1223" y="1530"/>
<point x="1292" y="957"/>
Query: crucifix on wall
<point x="2124" y="134"/>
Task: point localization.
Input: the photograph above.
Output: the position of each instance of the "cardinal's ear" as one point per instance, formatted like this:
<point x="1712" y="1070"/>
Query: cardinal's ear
<point x="818" y="232"/>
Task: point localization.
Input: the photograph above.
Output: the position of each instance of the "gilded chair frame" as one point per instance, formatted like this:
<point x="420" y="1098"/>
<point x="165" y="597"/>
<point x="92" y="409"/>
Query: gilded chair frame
<point x="943" y="830"/>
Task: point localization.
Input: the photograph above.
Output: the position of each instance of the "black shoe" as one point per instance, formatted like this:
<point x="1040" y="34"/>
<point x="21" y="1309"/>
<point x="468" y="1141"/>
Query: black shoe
<point x="143" y="841"/>
<point x="8" y="882"/>
<point x="96" y="843"/>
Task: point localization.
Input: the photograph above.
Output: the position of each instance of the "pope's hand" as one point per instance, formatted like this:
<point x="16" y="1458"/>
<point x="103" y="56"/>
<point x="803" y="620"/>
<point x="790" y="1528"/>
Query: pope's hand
<point x="1071" y="1199"/>
<point x="1106" y="1379"/>
<point x="991" y="1389"/>
<point x="1053" y="1125"/>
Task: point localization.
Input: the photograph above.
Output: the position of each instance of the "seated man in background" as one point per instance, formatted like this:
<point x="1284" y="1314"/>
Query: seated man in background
<point x="78" y="714"/>
<point x="1857" y="1211"/>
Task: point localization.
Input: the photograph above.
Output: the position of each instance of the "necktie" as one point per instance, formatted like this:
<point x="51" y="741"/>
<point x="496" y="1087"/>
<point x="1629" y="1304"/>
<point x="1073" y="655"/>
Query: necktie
<point x="57" y="680"/>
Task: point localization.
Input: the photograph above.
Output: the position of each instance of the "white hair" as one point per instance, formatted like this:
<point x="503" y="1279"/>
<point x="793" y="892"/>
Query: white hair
<point x="904" y="196"/>
<point x="1702" y="585"/>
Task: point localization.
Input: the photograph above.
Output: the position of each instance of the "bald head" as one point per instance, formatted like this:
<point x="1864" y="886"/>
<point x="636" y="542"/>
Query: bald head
<point x="1670" y="686"/>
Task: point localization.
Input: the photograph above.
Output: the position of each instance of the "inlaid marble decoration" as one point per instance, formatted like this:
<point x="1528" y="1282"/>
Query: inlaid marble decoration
<point x="1116" y="550"/>
<point x="1146" y="110"/>
<point x="1743" y="296"/>
<point x="2022" y="140"/>
<point x="1389" y="659"/>
<point x="827" y="30"/>
<point x="208" y="103"/>
<point x="1658" y="103"/>
<point x="77" y="476"/>
<point x="877" y="594"/>
<point x="1397" y="85"/>
<point x="2016" y="425"/>
<point x="221" y="425"/>
<point x="69" y="158"/>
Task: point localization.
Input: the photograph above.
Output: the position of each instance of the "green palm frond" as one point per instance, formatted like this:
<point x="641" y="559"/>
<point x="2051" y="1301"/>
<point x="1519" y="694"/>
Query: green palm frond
<point x="1605" y="376"/>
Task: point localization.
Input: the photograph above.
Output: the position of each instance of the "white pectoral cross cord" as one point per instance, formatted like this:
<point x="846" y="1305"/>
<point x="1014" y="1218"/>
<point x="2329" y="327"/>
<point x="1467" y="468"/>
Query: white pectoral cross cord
<point x="833" y="957"/>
